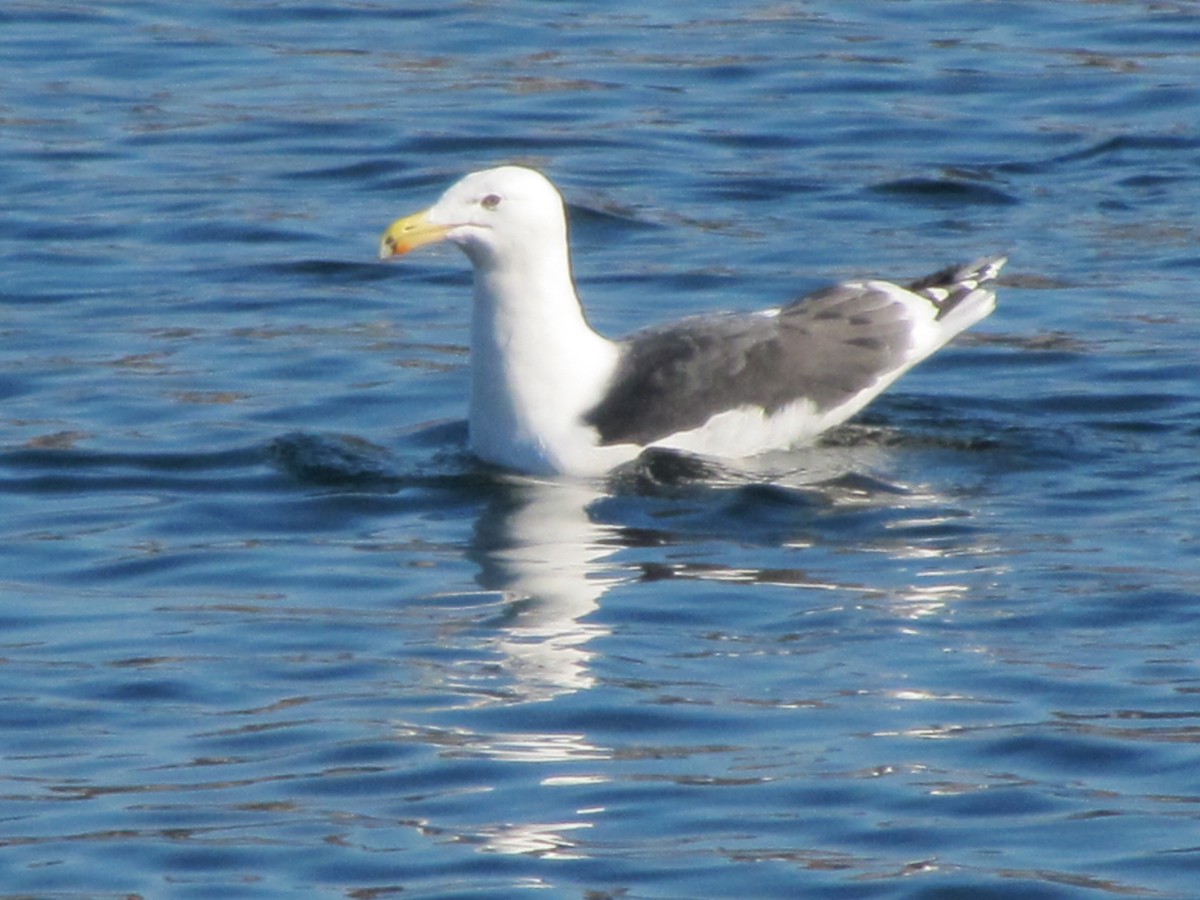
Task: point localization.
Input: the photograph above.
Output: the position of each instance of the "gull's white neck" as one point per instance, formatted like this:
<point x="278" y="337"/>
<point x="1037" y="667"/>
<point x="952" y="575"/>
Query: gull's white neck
<point x="536" y="365"/>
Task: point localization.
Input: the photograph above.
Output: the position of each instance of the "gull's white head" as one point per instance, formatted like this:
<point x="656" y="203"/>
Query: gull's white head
<point x="492" y="215"/>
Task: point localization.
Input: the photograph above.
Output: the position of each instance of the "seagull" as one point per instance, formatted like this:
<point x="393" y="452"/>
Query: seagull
<point x="551" y="396"/>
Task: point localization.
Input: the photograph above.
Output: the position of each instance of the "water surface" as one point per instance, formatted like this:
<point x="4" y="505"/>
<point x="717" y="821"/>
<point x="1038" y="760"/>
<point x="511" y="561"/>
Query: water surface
<point x="269" y="631"/>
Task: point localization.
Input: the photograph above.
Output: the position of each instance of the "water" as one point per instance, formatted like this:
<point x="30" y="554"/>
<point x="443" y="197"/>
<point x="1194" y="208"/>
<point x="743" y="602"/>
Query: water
<point x="267" y="630"/>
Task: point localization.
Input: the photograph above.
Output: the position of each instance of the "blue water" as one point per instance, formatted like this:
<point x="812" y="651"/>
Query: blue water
<point x="266" y="629"/>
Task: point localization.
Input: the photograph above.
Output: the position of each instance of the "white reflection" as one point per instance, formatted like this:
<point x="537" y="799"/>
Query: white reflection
<point x="547" y="839"/>
<point x="539" y="547"/>
<point x="536" y="748"/>
<point x="538" y="544"/>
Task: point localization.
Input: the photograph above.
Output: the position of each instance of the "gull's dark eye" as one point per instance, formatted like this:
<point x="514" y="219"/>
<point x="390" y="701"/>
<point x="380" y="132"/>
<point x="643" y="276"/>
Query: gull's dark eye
<point x="491" y="201"/>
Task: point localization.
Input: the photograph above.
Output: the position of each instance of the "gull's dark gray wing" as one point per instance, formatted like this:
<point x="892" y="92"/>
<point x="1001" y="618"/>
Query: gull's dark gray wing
<point x="829" y="348"/>
<point x="825" y="348"/>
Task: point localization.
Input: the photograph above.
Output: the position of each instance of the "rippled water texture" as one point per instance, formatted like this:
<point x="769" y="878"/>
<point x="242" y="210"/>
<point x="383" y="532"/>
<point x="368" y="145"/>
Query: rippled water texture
<point x="266" y="629"/>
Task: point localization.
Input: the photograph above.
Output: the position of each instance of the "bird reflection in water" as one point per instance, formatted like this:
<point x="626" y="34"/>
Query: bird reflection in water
<point x="536" y="542"/>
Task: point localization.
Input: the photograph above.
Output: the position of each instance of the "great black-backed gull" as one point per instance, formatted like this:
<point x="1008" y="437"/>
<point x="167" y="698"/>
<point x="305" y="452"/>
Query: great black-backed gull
<point x="551" y="396"/>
